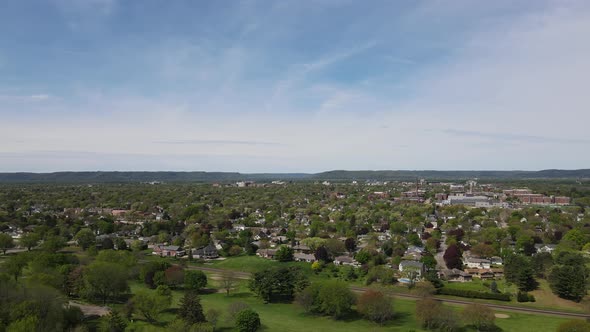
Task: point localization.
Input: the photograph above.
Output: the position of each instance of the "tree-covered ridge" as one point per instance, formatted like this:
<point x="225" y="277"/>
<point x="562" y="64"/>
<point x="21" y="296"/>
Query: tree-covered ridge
<point x="384" y="175"/>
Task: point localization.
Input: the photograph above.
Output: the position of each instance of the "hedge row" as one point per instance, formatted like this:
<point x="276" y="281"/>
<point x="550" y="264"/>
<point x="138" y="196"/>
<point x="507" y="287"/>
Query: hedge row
<point x="474" y="294"/>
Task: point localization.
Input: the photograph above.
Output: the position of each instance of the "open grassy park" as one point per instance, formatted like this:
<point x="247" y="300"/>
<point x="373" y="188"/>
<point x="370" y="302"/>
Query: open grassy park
<point x="290" y="317"/>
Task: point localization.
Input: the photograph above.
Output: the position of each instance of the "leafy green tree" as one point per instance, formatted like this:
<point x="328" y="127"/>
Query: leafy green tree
<point x="6" y="242"/>
<point x="479" y="316"/>
<point x="150" y="305"/>
<point x="363" y="257"/>
<point x="105" y="280"/>
<point x="30" y="240"/>
<point x="332" y="298"/>
<point x="53" y="243"/>
<point x="568" y="278"/>
<point x="28" y="323"/>
<point x="430" y="314"/>
<point x="247" y="321"/>
<point x="14" y="265"/>
<point x="85" y="238"/>
<point x="284" y="254"/>
<point x="195" y="279"/>
<point x="120" y="244"/>
<point x="113" y="322"/>
<point x="277" y="283"/>
<point x="375" y="306"/>
<point x="518" y="269"/>
<point x="190" y="309"/>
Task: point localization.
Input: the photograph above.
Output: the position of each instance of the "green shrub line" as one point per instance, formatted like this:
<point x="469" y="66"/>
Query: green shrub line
<point x="474" y="294"/>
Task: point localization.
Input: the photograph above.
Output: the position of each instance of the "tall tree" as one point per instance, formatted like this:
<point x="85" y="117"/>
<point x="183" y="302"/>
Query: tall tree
<point x="105" y="280"/>
<point x="30" y="240"/>
<point x="85" y="238"/>
<point x="6" y="242"/>
<point x="452" y="257"/>
<point x="190" y="309"/>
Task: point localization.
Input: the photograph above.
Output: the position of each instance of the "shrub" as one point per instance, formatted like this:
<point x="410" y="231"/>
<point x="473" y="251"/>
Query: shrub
<point x="194" y="280"/>
<point x="474" y="294"/>
<point x="375" y="306"/>
<point x="247" y="321"/>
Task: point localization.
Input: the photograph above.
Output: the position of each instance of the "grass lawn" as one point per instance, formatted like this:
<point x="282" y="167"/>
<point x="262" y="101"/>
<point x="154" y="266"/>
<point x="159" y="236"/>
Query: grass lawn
<point x="291" y="318"/>
<point x="545" y="299"/>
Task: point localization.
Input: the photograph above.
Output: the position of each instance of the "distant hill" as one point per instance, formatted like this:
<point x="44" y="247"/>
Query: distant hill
<point x="452" y="175"/>
<point x="337" y="175"/>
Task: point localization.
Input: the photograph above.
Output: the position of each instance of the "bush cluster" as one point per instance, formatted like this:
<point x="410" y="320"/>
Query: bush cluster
<point x="474" y="294"/>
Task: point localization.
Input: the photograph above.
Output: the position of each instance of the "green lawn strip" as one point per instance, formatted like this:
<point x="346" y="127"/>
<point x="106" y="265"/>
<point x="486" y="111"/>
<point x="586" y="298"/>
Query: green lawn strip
<point x="290" y="317"/>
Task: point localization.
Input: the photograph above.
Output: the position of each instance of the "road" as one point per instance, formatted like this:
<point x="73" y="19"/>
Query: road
<point x="246" y="275"/>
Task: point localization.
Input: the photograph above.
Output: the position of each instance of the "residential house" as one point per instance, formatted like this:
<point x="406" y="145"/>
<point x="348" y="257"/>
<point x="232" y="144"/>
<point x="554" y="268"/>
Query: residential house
<point x="345" y="260"/>
<point x="168" y="251"/>
<point x="455" y="275"/>
<point x="412" y="266"/>
<point x="300" y="257"/>
<point x="207" y="252"/>
<point x="477" y="263"/>
<point x="495" y="260"/>
<point x="266" y="253"/>
<point x="545" y="247"/>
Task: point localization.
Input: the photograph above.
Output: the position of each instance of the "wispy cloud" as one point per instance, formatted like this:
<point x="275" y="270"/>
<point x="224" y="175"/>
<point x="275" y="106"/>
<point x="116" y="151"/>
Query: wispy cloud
<point x="33" y="97"/>
<point x="218" y="142"/>
<point x="514" y="137"/>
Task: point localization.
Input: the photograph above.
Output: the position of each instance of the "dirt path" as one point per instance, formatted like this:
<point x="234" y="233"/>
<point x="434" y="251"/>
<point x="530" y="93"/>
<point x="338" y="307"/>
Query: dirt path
<point x="91" y="310"/>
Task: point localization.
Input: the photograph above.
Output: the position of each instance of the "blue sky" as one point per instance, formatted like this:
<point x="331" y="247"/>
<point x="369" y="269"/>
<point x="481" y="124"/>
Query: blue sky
<point x="293" y="86"/>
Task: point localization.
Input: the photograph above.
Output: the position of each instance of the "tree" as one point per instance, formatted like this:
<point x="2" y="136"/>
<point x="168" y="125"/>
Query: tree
<point x="576" y="325"/>
<point x="350" y="244"/>
<point x="120" y="244"/>
<point x="569" y="281"/>
<point x="479" y="316"/>
<point x="483" y="250"/>
<point x="228" y="281"/>
<point x="195" y="280"/>
<point x="362" y="256"/>
<point x="27" y="323"/>
<point x="14" y="265"/>
<point x="190" y="309"/>
<point x="105" y="280"/>
<point x="6" y="242"/>
<point x="235" y="308"/>
<point x="30" y="240"/>
<point x="85" y="238"/>
<point x="375" y="306"/>
<point x="452" y="257"/>
<point x="284" y="254"/>
<point x="321" y="254"/>
<point x="212" y="316"/>
<point x="431" y="314"/>
<point x="150" y="304"/>
<point x="53" y="243"/>
<point x="336" y="299"/>
<point x="494" y="287"/>
<point x="332" y="298"/>
<point x="518" y="269"/>
<point x="247" y="321"/>
<point x="277" y="283"/>
<point x="174" y="276"/>
<point x="113" y="322"/>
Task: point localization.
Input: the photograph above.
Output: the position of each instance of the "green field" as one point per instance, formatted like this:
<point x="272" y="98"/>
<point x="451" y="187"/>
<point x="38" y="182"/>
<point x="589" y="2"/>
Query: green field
<point x="291" y="318"/>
